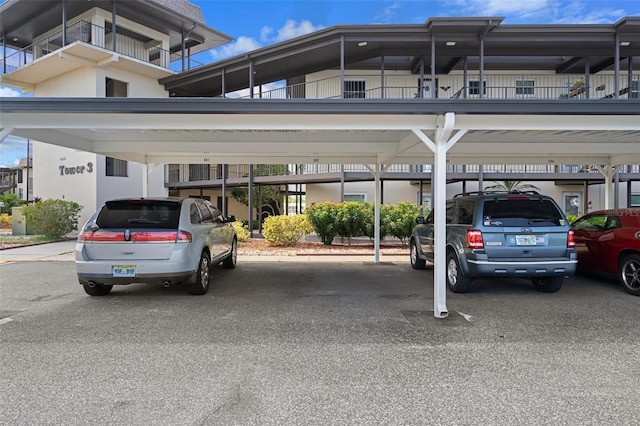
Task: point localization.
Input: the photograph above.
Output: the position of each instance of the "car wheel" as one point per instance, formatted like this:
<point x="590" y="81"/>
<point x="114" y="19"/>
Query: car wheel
<point x="548" y="284"/>
<point x="201" y="286"/>
<point x="97" y="289"/>
<point x="229" y="262"/>
<point x="457" y="281"/>
<point x="416" y="262"/>
<point x="629" y="274"/>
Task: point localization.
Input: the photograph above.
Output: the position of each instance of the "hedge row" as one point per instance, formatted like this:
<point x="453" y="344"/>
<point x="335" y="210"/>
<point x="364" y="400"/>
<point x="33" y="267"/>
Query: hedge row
<point x="352" y="219"/>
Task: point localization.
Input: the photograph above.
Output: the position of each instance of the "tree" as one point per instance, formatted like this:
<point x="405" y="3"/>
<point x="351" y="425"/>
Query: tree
<point x="511" y="186"/>
<point x="8" y="201"/>
<point x="264" y="197"/>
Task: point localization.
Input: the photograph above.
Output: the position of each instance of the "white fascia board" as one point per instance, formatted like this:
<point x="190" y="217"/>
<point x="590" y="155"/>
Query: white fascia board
<point x="548" y="122"/>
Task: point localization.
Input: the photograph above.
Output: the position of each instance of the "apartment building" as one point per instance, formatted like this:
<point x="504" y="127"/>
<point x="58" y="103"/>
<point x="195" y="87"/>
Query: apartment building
<point x="145" y="49"/>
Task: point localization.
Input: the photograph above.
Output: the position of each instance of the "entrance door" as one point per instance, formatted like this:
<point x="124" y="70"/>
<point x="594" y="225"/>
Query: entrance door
<point x="572" y="203"/>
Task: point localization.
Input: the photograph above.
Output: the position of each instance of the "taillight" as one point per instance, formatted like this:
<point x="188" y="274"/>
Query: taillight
<point x="571" y="238"/>
<point x="81" y="237"/>
<point x="474" y="239"/>
<point x="183" y="237"/>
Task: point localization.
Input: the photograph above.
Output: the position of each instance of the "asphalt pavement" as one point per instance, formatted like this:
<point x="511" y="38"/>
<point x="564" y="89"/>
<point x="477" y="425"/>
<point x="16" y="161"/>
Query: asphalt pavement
<point x="298" y="343"/>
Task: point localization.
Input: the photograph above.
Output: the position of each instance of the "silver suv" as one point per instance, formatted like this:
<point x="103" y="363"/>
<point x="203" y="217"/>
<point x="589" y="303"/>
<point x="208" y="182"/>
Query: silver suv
<point x="154" y="240"/>
<point x="516" y="234"/>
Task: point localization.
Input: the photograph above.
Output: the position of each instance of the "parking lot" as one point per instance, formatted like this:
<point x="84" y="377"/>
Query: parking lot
<point x="315" y="343"/>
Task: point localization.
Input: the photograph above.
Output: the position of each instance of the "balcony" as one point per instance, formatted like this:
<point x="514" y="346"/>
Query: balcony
<point x="140" y="49"/>
<point x="202" y="175"/>
<point x="458" y="86"/>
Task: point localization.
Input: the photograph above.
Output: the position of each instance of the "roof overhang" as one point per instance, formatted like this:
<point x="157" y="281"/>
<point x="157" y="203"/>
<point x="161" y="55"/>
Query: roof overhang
<point x="359" y="131"/>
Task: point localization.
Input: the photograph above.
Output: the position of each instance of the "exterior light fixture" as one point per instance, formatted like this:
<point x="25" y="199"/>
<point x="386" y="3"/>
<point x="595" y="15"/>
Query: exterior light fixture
<point x="451" y="43"/>
<point x="15" y="39"/>
<point x="625" y="43"/>
<point x="362" y="43"/>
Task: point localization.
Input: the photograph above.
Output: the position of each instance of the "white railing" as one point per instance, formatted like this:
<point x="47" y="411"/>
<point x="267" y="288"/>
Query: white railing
<point x="86" y="32"/>
<point x="175" y="173"/>
<point x="456" y="86"/>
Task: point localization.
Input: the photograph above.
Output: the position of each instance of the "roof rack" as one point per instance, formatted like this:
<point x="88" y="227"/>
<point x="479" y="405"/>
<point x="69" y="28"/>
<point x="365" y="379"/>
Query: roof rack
<point x="464" y="194"/>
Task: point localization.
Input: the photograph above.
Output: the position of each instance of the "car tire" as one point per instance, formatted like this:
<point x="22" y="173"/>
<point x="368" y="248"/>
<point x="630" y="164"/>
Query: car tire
<point x="629" y="274"/>
<point x="416" y="261"/>
<point x="548" y="284"/>
<point x="229" y="262"/>
<point x="97" y="289"/>
<point x="457" y="281"/>
<point x="201" y="286"/>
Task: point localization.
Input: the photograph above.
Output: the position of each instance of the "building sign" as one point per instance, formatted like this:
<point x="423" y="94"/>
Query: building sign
<point x="77" y="170"/>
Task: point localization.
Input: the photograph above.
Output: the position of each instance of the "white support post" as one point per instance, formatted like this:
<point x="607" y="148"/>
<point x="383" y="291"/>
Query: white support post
<point x="439" y="148"/>
<point x="609" y="173"/>
<point x="145" y="180"/>
<point x="376" y="210"/>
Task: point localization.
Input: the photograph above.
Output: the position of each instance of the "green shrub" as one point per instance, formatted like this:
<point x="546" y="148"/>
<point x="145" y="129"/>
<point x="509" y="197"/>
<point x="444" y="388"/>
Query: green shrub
<point x="401" y="219"/>
<point x="351" y="219"/>
<point x="8" y="201"/>
<point x="52" y="218"/>
<point x="5" y="219"/>
<point x="242" y="230"/>
<point x="323" y="218"/>
<point x="286" y="230"/>
<point x="370" y="221"/>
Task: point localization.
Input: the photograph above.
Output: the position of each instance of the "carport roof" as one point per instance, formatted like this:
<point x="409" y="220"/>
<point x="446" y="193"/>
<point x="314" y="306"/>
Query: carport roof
<point x="362" y="131"/>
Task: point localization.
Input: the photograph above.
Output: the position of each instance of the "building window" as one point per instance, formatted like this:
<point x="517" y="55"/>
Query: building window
<point x="474" y="87"/>
<point x="634" y="90"/>
<point x="355" y="89"/>
<point x="525" y="87"/>
<point x="115" y="88"/>
<point x="116" y="167"/>
<point x="19" y="175"/>
<point x="635" y="200"/>
<point x="199" y="172"/>
<point x="360" y="197"/>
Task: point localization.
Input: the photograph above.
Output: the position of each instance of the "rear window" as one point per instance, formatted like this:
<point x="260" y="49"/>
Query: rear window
<point x="533" y="212"/>
<point x="146" y="214"/>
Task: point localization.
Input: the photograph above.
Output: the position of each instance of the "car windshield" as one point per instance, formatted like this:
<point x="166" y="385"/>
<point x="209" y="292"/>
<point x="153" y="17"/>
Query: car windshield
<point x="148" y="214"/>
<point x="524" y="212"/>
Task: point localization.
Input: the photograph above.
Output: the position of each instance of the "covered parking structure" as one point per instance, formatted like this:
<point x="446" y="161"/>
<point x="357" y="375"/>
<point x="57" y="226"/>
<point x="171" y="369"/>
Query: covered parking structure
<point x="377" y="133"/>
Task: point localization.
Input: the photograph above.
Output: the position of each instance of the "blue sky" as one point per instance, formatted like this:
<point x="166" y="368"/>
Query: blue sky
<point x="258" y="23"/>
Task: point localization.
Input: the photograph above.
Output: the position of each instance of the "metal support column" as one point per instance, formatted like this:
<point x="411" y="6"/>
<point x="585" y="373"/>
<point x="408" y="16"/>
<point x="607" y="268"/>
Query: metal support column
<point x="442" y="144"/>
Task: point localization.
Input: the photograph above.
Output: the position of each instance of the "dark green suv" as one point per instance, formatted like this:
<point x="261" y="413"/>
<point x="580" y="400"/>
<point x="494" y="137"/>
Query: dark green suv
<point x="515" y="234"/>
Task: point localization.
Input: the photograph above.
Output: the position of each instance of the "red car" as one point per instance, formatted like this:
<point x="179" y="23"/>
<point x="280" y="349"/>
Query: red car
<point x="608" y="241"/>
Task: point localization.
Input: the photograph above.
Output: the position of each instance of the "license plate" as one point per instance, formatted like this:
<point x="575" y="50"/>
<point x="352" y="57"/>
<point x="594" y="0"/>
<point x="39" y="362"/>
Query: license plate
<point x="525" y="240"/>
<point x="124" y="271"/>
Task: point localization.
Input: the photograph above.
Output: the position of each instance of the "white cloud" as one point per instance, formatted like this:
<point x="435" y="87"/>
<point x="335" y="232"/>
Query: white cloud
<point x="7" y="92"/>
<point x="293" y="29"/>
<point x="268" y="35"/>
<point x="241" y="45"/>
<point x="388" y="13"/>
<point x="509" y="8"/>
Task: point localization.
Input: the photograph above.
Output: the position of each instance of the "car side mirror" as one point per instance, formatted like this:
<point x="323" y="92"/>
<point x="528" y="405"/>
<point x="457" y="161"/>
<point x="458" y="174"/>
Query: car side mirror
<point x="420" y="220"/>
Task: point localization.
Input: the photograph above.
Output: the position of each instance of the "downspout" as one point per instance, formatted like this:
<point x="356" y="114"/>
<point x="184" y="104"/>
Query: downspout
<point x="251" y="81"/>
<point x="113" y="26"/>
<point x="481" y="82"/>
<point x="617" y="68"/>
<point x="64" y="23"/>
<point x="342" y="66"/>
<point x="224" y="190"/>
<point x="434" y="86"/>
<point x="382" y="77"/>
<point x="587" y="77"/>
<point x="223" y="82"/>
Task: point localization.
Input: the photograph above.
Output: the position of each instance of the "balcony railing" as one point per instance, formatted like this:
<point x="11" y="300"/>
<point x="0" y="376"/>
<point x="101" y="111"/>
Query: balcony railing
<point x="176" y="173"/>
<point x="86" y="32"/>
<point x="457" y="86"/>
